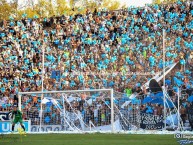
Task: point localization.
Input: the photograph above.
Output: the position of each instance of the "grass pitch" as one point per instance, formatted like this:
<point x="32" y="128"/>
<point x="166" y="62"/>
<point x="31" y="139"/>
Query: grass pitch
<point x="87" y="139"/>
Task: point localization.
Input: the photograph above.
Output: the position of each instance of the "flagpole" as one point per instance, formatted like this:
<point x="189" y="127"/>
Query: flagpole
<point x="178" y="108"/>
<point x="42" y="95"/>
<point x="164" y="79"/>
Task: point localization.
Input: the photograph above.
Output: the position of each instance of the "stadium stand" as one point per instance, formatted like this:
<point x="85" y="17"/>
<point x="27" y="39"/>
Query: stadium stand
<point x="103" y="49"/>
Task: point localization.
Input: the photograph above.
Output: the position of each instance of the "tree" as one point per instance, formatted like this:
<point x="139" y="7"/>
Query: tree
<point x="107" y="4"/>
<point x="46" y="8"/>
<point x="29" y="11"/>
<point x="5" y="10"/>
<point x="91" y="5"/>
<point x="62" y="7"/>
<point x="114" y="5"/>
<point x="165" y="1"/>
<point x="14" y="4"/>
<point x="72" y="3"/>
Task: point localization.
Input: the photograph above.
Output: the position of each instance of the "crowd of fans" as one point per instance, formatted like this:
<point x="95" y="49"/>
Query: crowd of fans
<point x="100" y="49"/>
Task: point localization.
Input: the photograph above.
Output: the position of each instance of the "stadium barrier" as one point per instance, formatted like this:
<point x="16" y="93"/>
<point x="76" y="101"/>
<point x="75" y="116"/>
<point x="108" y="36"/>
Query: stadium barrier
<point x="5" y="126"/>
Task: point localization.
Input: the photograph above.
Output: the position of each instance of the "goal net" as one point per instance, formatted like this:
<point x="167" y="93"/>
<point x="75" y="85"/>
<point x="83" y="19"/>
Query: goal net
<point x="78" y="111"/>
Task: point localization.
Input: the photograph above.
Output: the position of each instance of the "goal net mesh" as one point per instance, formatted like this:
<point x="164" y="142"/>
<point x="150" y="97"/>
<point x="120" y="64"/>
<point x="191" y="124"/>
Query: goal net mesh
<point x="79" y="111"/>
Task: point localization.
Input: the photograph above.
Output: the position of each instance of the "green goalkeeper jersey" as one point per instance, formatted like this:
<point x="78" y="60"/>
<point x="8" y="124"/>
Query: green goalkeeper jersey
<point x="17" y="114"/>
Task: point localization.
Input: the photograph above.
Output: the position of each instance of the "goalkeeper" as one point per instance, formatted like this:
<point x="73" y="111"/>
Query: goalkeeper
<point x="17" y="118"/>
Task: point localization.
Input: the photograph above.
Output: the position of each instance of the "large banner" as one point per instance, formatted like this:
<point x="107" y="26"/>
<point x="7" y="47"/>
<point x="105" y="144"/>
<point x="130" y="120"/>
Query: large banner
<point x="5" y="126"/>
<point x="46" y="128"/>
<point x="5" y="116"/>
<point x="151" y="122"/>
<point x="190" y="114"/>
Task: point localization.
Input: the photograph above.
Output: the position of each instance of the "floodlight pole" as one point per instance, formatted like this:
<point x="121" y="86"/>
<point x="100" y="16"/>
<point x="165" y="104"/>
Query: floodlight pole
<point x="42" y="95"/>
<point x="112" y="111"/>
<point x="164" y="79"/>
<point x="64" y="115"/>
<point x="179" y="108"/>
<point x="43" y="53"/>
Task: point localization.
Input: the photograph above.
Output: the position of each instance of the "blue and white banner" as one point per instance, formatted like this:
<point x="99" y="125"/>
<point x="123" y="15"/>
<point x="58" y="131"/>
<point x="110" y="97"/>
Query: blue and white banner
<point x="46" y="128"/>
<point x="5" y="116"/>
<point x="151" y="122"/>
<point x="5" y="126"/>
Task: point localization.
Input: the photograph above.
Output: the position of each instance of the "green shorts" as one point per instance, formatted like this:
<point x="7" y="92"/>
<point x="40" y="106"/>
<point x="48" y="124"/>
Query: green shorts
<point x="16" y="120"/>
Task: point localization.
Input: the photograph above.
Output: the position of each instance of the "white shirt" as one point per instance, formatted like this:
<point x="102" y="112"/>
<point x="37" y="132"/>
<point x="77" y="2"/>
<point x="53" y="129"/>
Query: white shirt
<point x="96" y="113"/>
<point x="20" y="53"/>
<point x="5" y="99"/>
<point x="33" y="23"/>
<point x="1" y="102"/>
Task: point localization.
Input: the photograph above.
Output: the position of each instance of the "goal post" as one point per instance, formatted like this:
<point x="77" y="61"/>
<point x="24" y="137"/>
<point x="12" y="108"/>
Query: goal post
<point x="69" y="116"/>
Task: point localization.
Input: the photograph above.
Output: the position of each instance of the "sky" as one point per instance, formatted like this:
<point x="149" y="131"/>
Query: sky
<point x="127" y="2"/>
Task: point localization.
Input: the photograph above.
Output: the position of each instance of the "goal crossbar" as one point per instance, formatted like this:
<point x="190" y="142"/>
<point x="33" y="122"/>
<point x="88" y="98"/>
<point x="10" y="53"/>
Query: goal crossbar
<point x="67" y="91"/>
